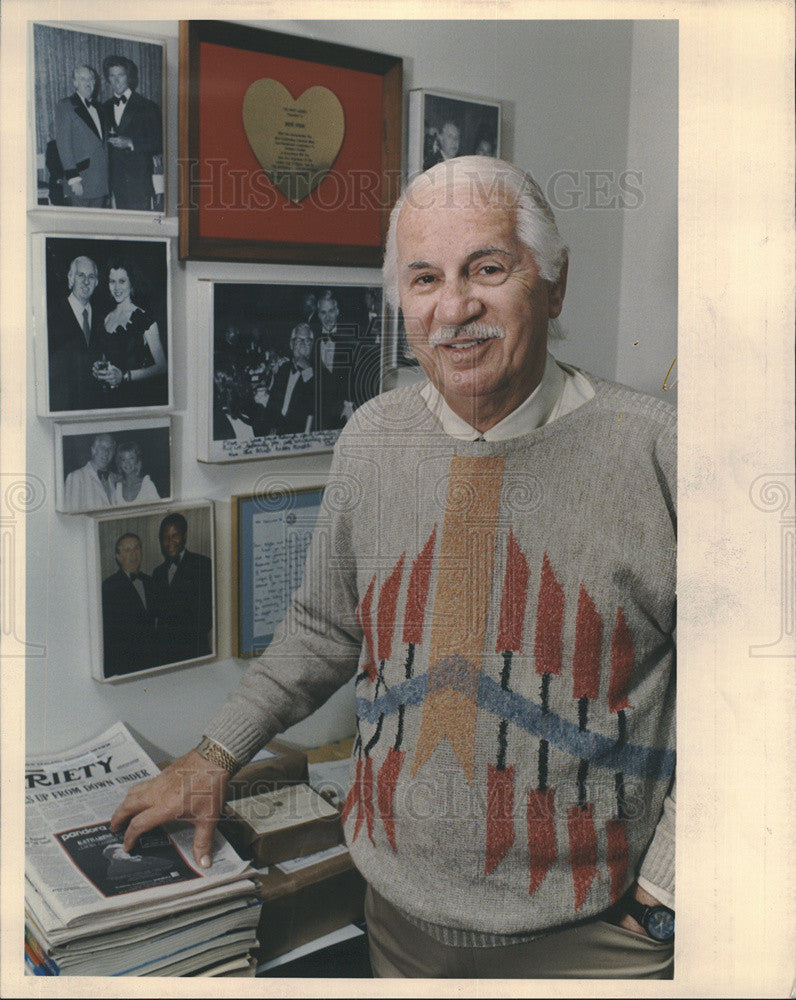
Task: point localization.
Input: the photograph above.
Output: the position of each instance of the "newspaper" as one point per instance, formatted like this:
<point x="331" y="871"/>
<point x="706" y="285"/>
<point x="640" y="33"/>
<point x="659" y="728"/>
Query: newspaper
<point x="79" y="871"/>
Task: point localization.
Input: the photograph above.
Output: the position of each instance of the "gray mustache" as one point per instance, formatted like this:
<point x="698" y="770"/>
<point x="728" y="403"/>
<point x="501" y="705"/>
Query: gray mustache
<point x="472" y="331"/>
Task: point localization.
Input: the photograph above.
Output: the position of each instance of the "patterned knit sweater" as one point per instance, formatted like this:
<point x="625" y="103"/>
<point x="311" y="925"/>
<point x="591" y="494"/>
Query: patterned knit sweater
<point x="508" y="611"/>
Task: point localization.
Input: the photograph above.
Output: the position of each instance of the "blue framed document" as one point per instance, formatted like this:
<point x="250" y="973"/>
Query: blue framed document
<point x="271" y="532"/>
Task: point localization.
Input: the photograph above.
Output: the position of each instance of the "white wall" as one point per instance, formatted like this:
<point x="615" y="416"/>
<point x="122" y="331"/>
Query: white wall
<point x="578" y="97"/>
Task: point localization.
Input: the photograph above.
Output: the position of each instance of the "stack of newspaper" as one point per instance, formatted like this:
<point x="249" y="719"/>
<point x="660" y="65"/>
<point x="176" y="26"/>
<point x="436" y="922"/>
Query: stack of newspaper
<point x="93" y="909"/>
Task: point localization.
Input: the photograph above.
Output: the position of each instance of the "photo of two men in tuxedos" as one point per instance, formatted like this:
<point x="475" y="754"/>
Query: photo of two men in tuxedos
<point x="99" y="124"/>
<point x="165" y="616"/>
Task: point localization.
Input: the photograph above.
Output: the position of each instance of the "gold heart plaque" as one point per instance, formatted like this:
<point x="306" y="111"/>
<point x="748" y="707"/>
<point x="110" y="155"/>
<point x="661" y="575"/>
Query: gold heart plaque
<point x="295" y="142"/>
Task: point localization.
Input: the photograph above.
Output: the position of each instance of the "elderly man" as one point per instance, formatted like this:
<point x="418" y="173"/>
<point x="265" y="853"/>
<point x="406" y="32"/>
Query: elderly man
<point x="91" y="487"/>
<point x="291" y="399"/>
<point x="445" y="145"/>
<point x="73" y="331"/>
<point x="502" y="590"/>
<point x="80" y="139"/>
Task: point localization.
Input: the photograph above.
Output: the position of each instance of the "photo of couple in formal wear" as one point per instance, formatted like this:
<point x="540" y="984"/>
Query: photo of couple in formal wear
<point x="99" y="126"/>
<point x="116" y="464"/>
<point x="157" y="590"/>
<point x="106" y="306"/>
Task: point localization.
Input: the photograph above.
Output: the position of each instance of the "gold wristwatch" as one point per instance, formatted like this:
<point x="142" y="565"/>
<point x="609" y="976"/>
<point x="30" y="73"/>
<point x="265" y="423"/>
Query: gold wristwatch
<point x="216" y="754"/>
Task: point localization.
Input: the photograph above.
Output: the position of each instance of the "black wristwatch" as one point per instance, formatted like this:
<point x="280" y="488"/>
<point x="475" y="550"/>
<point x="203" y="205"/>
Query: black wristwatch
<point x="657" y="921"/>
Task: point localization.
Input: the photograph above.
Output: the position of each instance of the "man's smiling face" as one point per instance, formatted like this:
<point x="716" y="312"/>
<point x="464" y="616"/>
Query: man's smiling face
<point x="475" y="307"/>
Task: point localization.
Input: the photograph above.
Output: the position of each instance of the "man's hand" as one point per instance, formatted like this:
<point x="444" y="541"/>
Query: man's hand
<point x="191" y="789"/>
<point x="121" y="142"/>
<point x="647" y="899"/>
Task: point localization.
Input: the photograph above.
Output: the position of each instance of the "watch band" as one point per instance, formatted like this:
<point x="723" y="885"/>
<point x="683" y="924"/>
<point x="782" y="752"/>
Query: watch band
<point x="657" y="920"/>
<point x="216" y="754"/>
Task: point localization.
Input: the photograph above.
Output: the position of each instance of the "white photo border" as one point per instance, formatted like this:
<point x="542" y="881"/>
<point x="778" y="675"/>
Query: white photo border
<point x="64" y="430"/>
<point x="129" y="520"/>
<point x="40" y="325"/>
<point x="32" y="185"/>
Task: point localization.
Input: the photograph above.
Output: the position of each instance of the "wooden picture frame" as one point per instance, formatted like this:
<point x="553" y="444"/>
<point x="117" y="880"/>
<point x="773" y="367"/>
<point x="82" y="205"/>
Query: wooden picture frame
<point x="252" y="401"/>
<point x="174" y="622"/>
<point x="271" y="531"/>
<point x="319" y="194"/>
<point x="85" y="450"/>
<point x="444" y="125"/>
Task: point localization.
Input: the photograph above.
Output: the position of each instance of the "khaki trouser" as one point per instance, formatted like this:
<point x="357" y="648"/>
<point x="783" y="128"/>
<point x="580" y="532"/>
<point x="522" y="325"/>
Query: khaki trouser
<point x="594" y="950"/>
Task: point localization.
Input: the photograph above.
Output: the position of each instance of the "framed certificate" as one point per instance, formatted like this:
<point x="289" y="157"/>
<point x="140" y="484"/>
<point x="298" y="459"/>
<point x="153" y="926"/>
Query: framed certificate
<point x="271" y="532"/>
<point x="289" y="148"/>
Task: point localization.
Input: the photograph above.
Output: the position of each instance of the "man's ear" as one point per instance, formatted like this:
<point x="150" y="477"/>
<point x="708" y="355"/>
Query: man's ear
<point x="557" y="291"/>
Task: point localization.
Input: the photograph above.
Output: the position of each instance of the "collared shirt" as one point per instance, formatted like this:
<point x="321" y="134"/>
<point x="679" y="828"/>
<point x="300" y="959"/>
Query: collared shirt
<point x="118" y="109"/>
<point x="173" y="566"/>
<point x="138" y="583"/>
<point x="561" y="390"/>
<point x="78" y="308"/>
<point x="92" y="110"/>
<point x="327" y="350"/>
<point x="292" y="379"/>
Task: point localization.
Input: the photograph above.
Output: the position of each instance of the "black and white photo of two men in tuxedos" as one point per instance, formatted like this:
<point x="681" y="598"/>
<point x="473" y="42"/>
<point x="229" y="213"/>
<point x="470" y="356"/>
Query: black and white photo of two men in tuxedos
<point x="80" y="141"/>
<point x="134" y="136"/>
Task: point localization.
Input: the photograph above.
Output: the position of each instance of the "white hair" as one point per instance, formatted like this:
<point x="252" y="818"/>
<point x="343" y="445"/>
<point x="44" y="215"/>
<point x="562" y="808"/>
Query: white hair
<point x="487" y="178"/>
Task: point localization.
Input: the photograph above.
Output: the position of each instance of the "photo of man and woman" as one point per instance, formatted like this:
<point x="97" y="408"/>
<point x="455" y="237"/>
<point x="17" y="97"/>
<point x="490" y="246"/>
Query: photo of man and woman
<point x="112" y="464"/>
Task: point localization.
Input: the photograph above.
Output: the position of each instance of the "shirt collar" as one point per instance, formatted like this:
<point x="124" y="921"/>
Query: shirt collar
<point x="535" y="411"/>
<point x="78" y="307"/>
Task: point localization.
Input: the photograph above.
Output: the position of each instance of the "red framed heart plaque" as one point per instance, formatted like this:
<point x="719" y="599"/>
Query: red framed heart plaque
<point x="289" y="148"/>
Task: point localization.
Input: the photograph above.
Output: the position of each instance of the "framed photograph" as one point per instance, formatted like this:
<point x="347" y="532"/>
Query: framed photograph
<point x="151" y="579"/>
<point x="400" y="352"/>
<point x="112" y="463"/>
<point x="442" y="126"/>
<point x="102" y="324"/>
<point x="271" y="532"/>
<point x="97" y="102"/>
<point x="290" y="148"/>
<point x="289" y="365"/>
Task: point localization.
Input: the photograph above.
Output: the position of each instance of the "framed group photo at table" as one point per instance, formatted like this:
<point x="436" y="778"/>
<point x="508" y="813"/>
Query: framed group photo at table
<point x="288" y="364"/>
<point x="152" y="598"/>
<point x="97" y="106"/>
<point x="271" y="532"/>
<point x="102" y="319"/>
<point x="290" y="147"/>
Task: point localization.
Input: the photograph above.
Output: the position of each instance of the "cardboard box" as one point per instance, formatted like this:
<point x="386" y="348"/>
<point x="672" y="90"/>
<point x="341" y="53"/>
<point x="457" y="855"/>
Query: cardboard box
<point x="307" y="903"/>
<point x="285" y="766"/>
<point x="341" y="750"/>
<point x="275" y="826"/>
